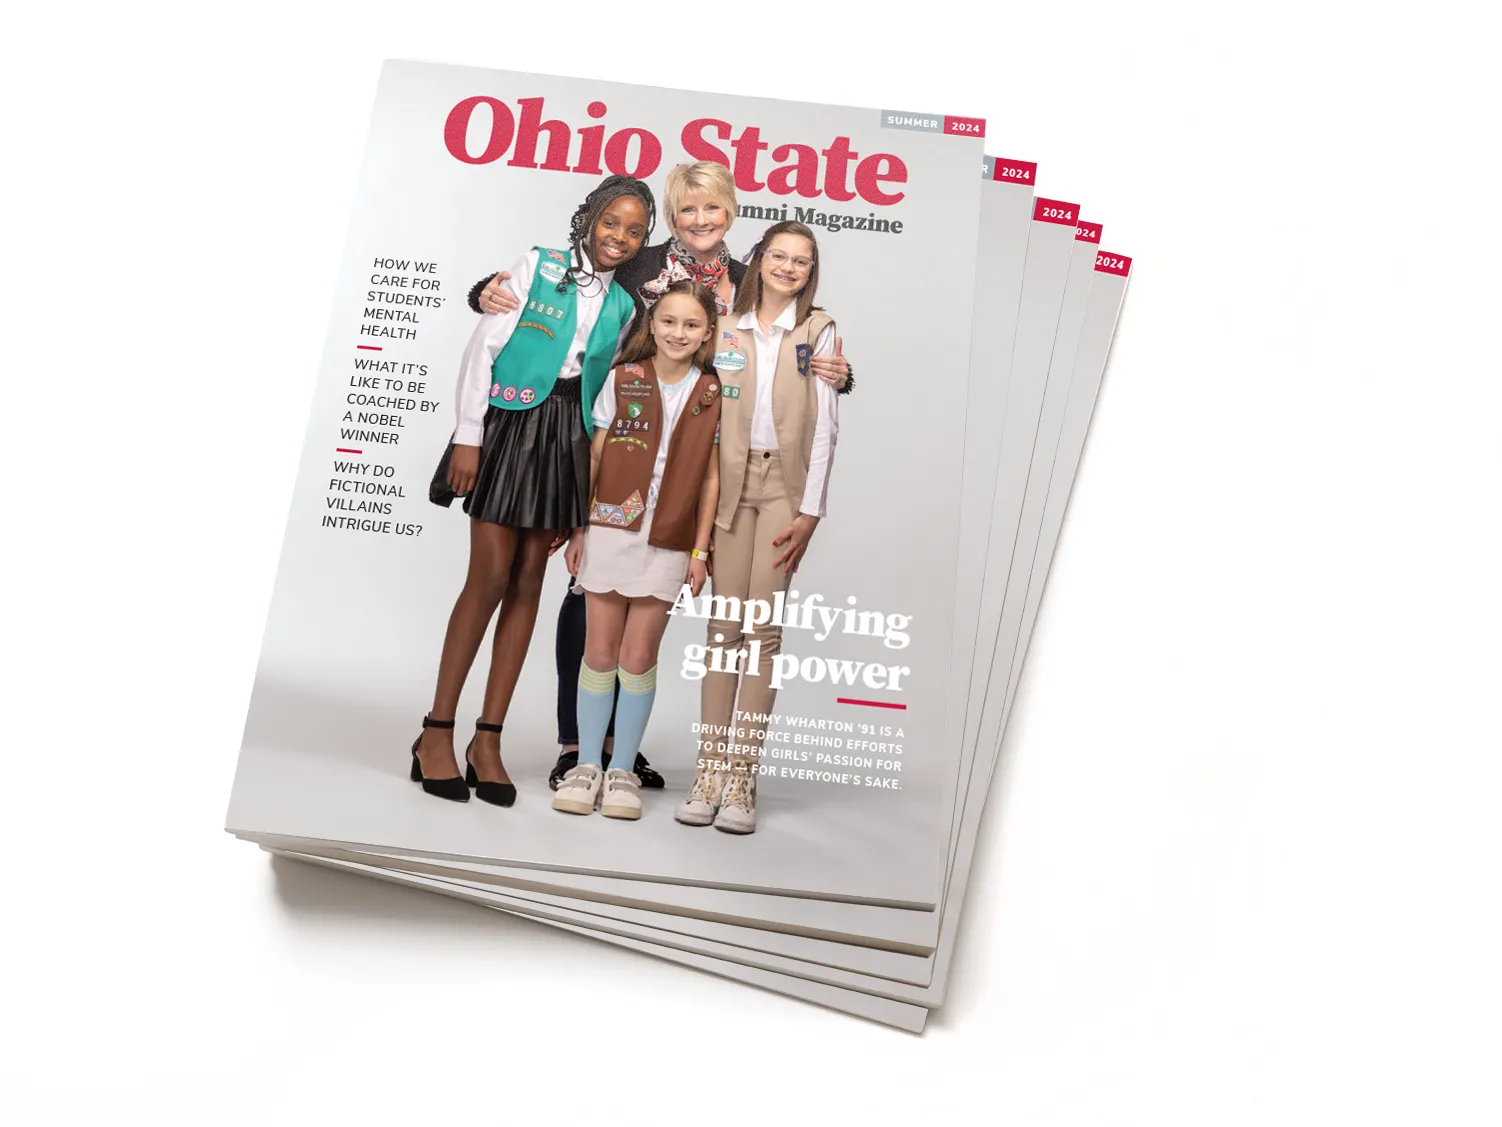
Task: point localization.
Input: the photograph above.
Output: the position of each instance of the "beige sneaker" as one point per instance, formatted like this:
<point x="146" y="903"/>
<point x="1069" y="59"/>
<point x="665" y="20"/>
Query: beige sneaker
<point x="698" y="809"/>
<point x="579" y="789"/>
<point x="738" y="803"/>
<point x="622" y="797"/>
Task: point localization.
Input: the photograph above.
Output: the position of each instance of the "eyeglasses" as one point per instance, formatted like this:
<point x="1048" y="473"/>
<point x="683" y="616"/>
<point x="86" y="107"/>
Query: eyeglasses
<point x="782" y="258"/>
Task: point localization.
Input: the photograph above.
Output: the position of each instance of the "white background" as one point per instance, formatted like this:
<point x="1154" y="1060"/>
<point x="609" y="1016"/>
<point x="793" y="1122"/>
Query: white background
<point x="1242" y="863"/>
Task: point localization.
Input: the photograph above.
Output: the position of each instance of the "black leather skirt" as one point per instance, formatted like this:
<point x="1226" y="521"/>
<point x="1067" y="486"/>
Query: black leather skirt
<point x="534" y="466"/>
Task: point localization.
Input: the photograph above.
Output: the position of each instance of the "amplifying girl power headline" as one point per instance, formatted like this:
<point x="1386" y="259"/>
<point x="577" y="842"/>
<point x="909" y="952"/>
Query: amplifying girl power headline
<point x="784" y="610"/>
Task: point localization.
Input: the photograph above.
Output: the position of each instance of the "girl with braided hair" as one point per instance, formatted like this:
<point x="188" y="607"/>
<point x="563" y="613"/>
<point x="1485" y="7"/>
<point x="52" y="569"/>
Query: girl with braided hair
<point x="520" y="458"/>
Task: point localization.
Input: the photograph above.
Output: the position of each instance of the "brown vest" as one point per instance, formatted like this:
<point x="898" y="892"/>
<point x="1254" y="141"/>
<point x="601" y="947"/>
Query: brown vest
<point x="624" y="478"/>
<point x="795" y="406"/>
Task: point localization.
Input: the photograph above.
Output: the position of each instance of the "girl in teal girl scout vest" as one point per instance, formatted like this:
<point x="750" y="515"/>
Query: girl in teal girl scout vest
<point x="520" y="459"/>
<point x="778" y="426"/>
<point x="656" y="485"/>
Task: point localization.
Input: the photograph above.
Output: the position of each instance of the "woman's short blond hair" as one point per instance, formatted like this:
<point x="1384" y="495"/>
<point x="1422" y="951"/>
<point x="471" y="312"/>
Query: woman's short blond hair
<point x="707" y="176"/>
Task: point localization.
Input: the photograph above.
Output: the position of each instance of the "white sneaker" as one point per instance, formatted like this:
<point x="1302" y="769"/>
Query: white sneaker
<point x="622" y="797"/>
<point x="698" y="809"/>
<point x="579" y="789"/>
<point x="738" y="803"/>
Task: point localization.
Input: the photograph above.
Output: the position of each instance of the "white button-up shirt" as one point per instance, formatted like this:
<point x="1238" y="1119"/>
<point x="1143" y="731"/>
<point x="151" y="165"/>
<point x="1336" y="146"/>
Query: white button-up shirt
<point x="826" y="426"/>
<point x="495" y="329"/>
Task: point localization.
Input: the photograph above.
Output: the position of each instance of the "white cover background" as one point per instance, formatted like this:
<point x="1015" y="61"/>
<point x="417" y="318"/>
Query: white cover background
<point x="1241" y="864"/>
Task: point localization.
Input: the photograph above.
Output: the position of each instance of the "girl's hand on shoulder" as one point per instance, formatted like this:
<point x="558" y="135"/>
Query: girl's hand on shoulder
<point x="574" y="552"/>
<point x="496" y="298"/>
<point x="834" y="369"/>
<point x="698" y="575"/>
<point x="464" y="467"/>
<point x="796" y="536"/>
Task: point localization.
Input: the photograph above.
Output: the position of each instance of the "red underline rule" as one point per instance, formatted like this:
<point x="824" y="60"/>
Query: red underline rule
<point x="369" y="347"/>
<point x="868" y="703"/>
<point x="346" y="450"/>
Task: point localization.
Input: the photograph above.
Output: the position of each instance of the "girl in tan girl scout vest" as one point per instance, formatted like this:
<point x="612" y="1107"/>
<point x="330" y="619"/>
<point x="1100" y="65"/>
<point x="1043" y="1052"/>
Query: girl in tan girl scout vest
<point x="520" y="459"/>
<point x="777" y="436"/>
<point x="656" y="483"/>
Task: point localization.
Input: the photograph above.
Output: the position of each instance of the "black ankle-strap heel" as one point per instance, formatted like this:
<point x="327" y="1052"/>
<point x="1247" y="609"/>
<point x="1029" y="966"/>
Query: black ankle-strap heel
<point x="452" y="789"/>
<point x="497" y="794"/>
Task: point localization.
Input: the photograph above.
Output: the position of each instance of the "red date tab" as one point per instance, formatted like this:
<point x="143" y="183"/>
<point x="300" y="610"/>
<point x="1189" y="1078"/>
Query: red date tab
<point x="1015" y="171"/>
<point x="965" y="126"/>
<point x="1053" y="211"/>
<point x="1087" y="232"/>
<point x="1112" y="264"/>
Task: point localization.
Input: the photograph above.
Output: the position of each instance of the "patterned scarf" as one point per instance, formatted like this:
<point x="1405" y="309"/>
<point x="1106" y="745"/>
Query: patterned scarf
<point x="708" y="273"/>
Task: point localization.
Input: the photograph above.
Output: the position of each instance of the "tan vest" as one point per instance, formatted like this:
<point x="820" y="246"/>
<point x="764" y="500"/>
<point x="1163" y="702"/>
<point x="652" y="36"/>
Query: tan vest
<point x="624" y="478"/>
<point x="795" y="406"/>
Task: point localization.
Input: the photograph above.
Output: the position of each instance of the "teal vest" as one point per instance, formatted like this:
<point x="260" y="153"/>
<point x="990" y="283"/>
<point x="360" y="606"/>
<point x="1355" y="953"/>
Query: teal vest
<point x="526" y="369"/>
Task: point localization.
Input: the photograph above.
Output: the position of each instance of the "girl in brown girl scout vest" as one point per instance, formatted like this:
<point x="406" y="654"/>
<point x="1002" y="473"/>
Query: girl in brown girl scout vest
<point x="655" y="475"/>
<point x="777" y="437"/>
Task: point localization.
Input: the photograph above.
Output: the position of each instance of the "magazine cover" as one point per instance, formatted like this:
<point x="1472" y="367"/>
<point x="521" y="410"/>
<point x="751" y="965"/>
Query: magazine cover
<point x="647" y="569"/>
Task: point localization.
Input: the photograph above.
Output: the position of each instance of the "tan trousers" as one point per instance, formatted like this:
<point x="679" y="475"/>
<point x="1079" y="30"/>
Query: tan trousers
<point x="743" y="569"/>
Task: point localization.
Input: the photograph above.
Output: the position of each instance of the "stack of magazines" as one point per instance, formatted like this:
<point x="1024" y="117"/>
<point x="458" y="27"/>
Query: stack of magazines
<point x="681" y="486"/>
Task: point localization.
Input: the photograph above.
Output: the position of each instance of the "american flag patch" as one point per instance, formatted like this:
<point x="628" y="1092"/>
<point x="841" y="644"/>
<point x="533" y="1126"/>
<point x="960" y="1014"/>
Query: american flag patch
<point x="729" y="338"/>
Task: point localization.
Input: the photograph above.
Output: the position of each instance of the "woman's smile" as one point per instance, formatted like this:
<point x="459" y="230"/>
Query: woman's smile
<point x="701" y="223"/>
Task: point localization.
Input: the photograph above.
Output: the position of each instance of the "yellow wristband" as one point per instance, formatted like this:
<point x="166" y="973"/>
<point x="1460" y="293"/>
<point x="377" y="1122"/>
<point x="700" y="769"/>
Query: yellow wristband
<point x="698" y="555"/>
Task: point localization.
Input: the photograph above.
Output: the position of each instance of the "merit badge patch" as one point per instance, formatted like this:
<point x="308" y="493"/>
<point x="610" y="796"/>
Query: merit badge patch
<point x="495" y="389"/>
<point x="528" y="395"/>
<point x="729" y="361"/>
<point x="619" y="515"/>
<point x="803" y="354"/>
<point x="508" y="394"/>
<point x="633" y="409"/>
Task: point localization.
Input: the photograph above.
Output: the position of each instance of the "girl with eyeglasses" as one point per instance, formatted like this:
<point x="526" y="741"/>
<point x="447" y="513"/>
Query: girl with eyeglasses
<point x="778" y="426"/>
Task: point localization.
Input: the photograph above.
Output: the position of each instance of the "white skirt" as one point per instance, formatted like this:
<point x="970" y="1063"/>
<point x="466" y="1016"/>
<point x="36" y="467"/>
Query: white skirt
<point x="623" y="562"/>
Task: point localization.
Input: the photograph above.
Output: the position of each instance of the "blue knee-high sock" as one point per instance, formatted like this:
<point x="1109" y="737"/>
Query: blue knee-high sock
<point x="596" y="697"/>
<point x="631" y="713"/>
